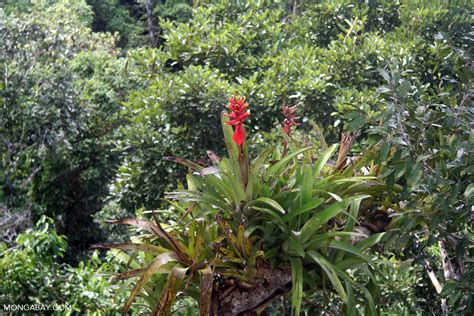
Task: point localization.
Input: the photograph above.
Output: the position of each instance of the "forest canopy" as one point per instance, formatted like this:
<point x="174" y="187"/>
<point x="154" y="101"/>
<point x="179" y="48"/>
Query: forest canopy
<point x="237" y="157"/>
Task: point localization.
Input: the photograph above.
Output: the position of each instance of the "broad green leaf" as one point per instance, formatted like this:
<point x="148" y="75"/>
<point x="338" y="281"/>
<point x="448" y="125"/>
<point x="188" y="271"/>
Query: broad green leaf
<point x="273" y="216"/>
<point x="351" y="302"/>
<point x="303" y="209"/>
<point x="415" y="175"/>
<point x="382" y="154"/>
<point x="323" y="159"/>
<point x="335" y="196"/>
<point x="306" y="192"/>
<point x="277" y="168"/>
<point x="330" y="272"/>
<point x="320" y="240"/>
<point x="297" y="287"/>
<point x="125" y="259"/>
<point x="350" y="263"/>
<point x="469" y="191"/>
<point x="354" y="211"/>
<point x="370" y="301"/>
<point x="348" y="249"/>
<point x="254" y="173"/>
<point x="354" y="179"/>
<point x="315" y="222"/>
<point x="369" y="242"/>
<point x="259" y="161"/>
<point x="221" y="186"/>
<point x="235" y="188"/>
<point x="294" y="247"/>
<point x="270" y="202"/>
<point x="228" y="132"/>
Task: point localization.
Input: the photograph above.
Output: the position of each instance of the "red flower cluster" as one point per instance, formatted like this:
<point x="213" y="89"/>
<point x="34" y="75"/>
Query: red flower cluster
<point x="238" y="115"/>
<point x="290" y="119"/>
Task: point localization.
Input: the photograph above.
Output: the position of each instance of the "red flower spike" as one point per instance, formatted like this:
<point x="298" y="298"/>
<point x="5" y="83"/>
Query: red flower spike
<point x="290" y="119"/>
<point x="238" y="115"/>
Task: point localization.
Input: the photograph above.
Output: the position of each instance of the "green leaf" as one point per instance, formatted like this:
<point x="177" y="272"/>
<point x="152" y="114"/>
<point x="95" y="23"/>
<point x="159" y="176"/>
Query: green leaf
<point x="273" y="216"/>
<point x="149" y="272"/>
<point x="254" y="173"/>
<point x="306" y="192"/>
<point x="349" y="263"/>
<point x="258" y="162"/>
<point x="348" y="249"/>
<point x="323" y="159"/>
<point x="125" y="259"/>
<point x="369" y="242"/>
<point x="315" y="222"/>
<point x="295" y="247"/>
<point x="330" y="272"/>
<point x="228" y="132"/>
<point x="469" y="191"/>
<point x="351" y="302"/>
<point x="415" y="175"/>
<point x="354" y="211"/>
<point x="297" y="285"/>
<point x="382" y="154"/>
<point x="169" y="292"/>
<point x="303" y="209"/>
<point x="369" y="298"/>
<point x="276" y="168"/>
<point x="270" y="202"/>
<point x="235" y="188"/>
<point x="320" y="240"/>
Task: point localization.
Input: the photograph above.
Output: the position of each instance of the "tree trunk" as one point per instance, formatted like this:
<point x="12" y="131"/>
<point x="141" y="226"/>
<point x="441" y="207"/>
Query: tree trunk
<point x="438" y="287"/>
<point x="448" y="269"/>
<point x="235" y="297"/>
<point x="152" y="24"/>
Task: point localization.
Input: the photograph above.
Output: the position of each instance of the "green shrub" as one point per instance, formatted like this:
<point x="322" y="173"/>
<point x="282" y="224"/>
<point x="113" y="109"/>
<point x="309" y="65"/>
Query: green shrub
<point x="61" y="88"/>
<point x="31" y="273"/>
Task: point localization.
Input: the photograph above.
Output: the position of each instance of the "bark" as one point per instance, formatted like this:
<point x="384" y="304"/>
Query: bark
<point x="152" y="24"/>
<point x="449" y="271"/>
<point x="452" y="268"/>
<point x="437" y="285"/>
<point x="295" y="6"/>
<point x="235" y="297"/>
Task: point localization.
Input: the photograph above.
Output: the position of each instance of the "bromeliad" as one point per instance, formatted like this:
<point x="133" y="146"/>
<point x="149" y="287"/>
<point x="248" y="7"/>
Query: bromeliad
<point x="290" y="118"/>
<point x="289" y="122"/>
<point x="250" y="233"/>
<point x="238" y="115"/>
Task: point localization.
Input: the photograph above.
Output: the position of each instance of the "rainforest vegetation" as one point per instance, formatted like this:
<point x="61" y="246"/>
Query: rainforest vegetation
<point x="230" y="157"/>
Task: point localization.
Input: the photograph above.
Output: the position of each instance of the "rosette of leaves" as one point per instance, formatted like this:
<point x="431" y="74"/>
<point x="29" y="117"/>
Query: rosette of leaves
<point x="251" y="232"/>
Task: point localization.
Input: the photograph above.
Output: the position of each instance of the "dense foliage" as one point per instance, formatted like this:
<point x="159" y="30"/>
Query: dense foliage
<point x="100" y="98"/>
<point x="31" y="274"/>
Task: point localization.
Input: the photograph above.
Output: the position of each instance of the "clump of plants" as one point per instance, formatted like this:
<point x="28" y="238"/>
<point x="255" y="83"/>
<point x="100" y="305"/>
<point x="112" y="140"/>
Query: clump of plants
<point x="252" y="230"/>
